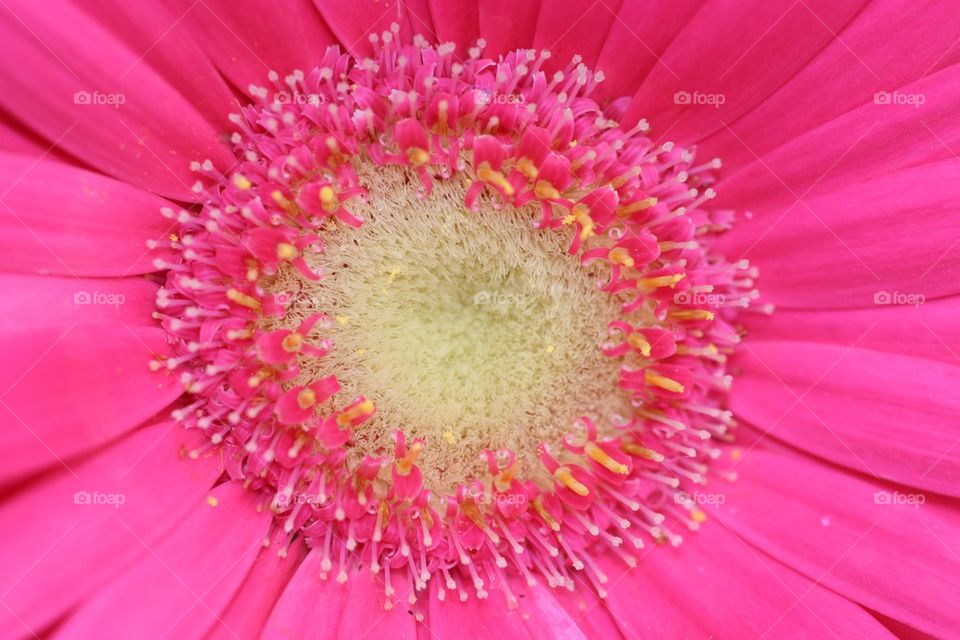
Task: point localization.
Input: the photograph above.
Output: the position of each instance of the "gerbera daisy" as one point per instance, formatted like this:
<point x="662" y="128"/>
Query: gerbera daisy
<point x="442" y="320"/>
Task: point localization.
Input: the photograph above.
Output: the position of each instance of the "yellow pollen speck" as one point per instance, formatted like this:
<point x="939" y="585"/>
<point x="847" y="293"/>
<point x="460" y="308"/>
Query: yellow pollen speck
<point x="212" y="501"/>
<point x="306" y="398"/>
<point x="241" y="182"/>
<point x="328" y="198"/>
<point x="343" y="320"/>
<point x="417" y="156"/>
<point x="735" y="454"/>
<point x="286" y="251"/>
<point x="292" y="343"/>
<point x="550" y="348"/>
<point x="174" y="237"/>
<point x="243" y="299"/>
<point x="360" y="352"/>
<point x="697" y="515"/>
<point x="663" y="281"/>
<point x="448" y="436"/>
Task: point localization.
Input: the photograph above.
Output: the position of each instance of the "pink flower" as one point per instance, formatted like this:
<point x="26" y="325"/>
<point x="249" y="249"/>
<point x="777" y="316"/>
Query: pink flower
<point x="389" y="319"/>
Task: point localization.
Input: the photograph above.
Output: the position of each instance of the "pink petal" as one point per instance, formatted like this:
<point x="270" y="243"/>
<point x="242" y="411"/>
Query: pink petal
<point x="183" y="583"/>
<point x="251" y="606"/>
<point x="309" y="607"/>
<point x="857" y="147"/>
<point x="159" y="32"/>
<point x="738" y="52"/>
<point x="878" y="413"/>
<point x="67" y="389"/>
<point x="588" y="610"/>
<point x="876" y="52"/>
<point x="928" y="331"/>
<point x="474" y="619"/>
<point x="573" y="27"/>
<point x="130" y="122"/>
<point x="353" y="24"/>
<point x="365" y="614"/>
<point x="889" y="232"/>
<point x="60" y="219"/>
<point x="457" y="22"/>
<point x="737" y="591"/>
<point x="546" y="618"/>
<point x="873" y="543"/>
<point x="506" y="25"/>
<point x="638" y="37"/>
<point x="244" y="42"/>
<point x="84" y="544"/>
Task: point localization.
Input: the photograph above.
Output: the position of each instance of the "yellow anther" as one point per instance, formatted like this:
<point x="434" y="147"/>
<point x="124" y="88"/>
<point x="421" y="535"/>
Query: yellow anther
<point x="417" y="156"/>
<point x="527" y="168"/>
<point x="174" y="237"/>
<point x="641" y="451"/>
<point x="640" y="343"/>
<point x="286" y="251"/>
<point x="581" y="214"/>
<point x="212" y="501"/>
<point x="663" y="281"/>
<point x="601" y="456"/>
<point x="348" y="416"/>
<point x="292" y="343"/>
<point x="697" y="515"/>
<point x="488" y="174"/>
<point x="306" y="398"/>
<point x="633" y="207"/>
<point x="668" y="384"/>
<point x="621" y="256"/>
<point x="241" y="182"/>
<point x="690" y="314"/>
<point x="328" y="198"/>
<point x="405" y="464"/>
<point x="442" y="115"/>
<point x="544" y="189"/>
<point x="243" y="299"/>
<point x="565" y="476"/>
<point x="551" y="348"/>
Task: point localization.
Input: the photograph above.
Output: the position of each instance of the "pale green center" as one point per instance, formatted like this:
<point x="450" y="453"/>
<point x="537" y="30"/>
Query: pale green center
<point x="470" y="330"/>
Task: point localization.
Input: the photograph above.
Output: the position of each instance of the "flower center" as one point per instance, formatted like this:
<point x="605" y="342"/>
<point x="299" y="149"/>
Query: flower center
<point x="469" y="330"/>
<point x="451" y="317"/>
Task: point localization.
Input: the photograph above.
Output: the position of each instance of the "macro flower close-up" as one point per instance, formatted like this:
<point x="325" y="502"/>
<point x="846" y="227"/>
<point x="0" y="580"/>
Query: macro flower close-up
<point x="437" y="319"/>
